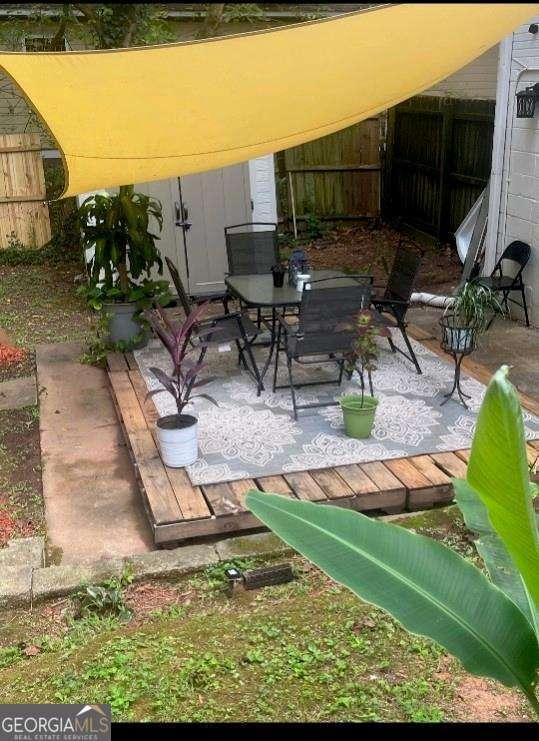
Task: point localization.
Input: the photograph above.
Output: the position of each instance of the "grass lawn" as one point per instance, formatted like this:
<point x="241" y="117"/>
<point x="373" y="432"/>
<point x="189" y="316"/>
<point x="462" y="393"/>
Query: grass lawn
<point x="38" y="303"/>
<point x="304" y="651"/>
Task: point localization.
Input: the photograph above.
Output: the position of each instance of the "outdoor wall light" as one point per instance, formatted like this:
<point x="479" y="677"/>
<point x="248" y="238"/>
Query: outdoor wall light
<point x="526" y="101"/>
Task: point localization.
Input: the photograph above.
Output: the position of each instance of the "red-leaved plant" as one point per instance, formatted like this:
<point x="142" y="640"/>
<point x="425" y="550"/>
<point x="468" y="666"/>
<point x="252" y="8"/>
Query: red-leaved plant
<point x="178" y="338"/>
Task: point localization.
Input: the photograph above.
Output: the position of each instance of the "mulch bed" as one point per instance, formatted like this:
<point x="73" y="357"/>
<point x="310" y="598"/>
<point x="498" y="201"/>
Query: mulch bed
<point x="21" y="504"/>
<point x="370" y="247"/>
<point x="15" y="362"/>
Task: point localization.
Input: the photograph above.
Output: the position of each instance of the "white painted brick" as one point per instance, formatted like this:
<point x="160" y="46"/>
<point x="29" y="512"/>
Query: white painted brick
<point x="523" y="185"/>
<point x="518" y="229"/>
<point x="521" y="207"/>
<point x="523" y="163"/>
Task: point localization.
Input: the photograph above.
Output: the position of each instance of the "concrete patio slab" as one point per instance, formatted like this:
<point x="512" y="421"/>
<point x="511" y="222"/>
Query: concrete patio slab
<point x="507" y="341"/>
<point x="92" y="503"/>
<point x="18" y="393"/>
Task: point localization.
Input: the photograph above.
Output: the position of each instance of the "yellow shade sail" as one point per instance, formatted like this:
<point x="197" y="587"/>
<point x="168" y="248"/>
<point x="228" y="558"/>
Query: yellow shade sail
<point x="135" y="115"/>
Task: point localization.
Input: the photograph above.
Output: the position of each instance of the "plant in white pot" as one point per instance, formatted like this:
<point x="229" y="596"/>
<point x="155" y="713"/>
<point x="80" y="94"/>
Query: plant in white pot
<point x="177" y="433"/>
<point x="468" y="316"/>
<point x="359" y="409"/>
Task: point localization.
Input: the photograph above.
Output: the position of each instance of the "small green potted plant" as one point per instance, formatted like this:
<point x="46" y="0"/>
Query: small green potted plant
<point x="468" y="316"/>
<point x="359" y="409"/>
<point x="116" y="227"/>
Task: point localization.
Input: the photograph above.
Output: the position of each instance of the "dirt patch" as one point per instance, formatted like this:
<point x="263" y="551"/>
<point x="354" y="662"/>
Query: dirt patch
<point x="486" y="702"/>
<point x="370" y="247"/>
<point x="148" y="597"/>
<point x="25" y="365"/>
<point x="21" y="498"/>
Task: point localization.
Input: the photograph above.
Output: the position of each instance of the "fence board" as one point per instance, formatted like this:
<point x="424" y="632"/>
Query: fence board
<point x="438" y="161"/>
<point x="336" y="176"/>
<point x="24" y="215"/>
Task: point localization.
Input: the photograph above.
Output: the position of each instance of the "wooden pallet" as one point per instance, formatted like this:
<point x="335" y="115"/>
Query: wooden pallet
<point x="177" y="510"/>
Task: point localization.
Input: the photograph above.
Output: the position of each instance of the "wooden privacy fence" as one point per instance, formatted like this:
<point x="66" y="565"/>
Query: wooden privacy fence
<point x="24" y="215"/>
<point x="335" y="177"/>
<point x="437" y="161"/>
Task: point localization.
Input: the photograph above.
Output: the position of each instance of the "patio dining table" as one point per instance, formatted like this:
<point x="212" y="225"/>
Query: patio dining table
<point x="257" y="291"/>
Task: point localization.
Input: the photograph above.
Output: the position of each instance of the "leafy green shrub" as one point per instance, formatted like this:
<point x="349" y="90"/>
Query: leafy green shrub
<point x="105" y="598"/>
<point x="314" y="226"/>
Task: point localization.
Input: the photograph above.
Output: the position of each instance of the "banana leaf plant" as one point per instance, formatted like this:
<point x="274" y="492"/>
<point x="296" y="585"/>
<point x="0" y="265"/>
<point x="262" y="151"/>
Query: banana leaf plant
<point x="125" y="248"/>
<point x="490" y="623"/>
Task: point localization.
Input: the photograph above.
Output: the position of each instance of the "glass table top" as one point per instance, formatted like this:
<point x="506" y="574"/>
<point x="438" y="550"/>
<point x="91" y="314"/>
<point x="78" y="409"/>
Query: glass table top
<point x="258" y="290"/>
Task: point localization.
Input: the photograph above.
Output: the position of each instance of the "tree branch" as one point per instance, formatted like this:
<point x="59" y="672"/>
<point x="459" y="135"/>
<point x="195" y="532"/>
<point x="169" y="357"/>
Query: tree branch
<point x="212" y="20"/>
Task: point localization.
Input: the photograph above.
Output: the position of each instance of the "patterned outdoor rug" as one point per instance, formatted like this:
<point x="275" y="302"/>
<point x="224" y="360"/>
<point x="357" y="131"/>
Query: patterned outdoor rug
<point x="247" y="436"/>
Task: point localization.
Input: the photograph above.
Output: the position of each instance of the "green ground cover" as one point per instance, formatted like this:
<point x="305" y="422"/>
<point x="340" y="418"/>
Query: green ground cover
<point x="304" y="651"/>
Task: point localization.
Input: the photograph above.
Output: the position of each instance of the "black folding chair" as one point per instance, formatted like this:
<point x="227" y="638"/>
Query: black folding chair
<point x="324" y="314"/>
<point x="187" y="301"/>
<point x="396" y="298"/>
<point x="519" y="254"/>
<point x="229" y="327"/>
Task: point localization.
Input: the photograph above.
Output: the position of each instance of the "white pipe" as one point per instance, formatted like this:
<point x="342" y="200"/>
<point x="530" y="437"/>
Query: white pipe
<point x="293" y="202"/>
<point x="498" y="150"/>
<point x="430" y="299"/>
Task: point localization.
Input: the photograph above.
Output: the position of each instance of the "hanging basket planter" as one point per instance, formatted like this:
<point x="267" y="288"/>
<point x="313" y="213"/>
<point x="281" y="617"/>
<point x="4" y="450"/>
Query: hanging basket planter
<point x="457" y="337"/>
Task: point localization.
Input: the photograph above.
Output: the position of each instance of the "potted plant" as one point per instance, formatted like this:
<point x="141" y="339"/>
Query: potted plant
<point x="359" y="409"/>
<point x="116" y="228"/>
<point x="468" y="316"/>
<point x="177" y="433"/>
<point x="278" y="272"/>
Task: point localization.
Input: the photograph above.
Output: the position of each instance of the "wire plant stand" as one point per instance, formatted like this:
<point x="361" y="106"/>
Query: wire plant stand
<point x="457" y="341"/>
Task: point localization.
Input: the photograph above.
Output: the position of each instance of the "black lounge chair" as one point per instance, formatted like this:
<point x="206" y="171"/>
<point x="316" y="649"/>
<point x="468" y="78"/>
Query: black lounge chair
<point x="518" y="253"/>
<point x="395" y="300"/>
<point x="319" y="331"/>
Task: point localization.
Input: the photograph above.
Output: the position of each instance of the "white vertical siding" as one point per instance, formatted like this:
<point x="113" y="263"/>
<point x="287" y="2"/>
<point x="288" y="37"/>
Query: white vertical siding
<point x="263" y="193"/>
<point x="519" y="202"/>
<point x="476" y="80"/>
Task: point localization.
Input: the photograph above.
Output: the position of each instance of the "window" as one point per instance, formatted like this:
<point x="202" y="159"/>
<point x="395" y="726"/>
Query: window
<point x="42" y="43"/>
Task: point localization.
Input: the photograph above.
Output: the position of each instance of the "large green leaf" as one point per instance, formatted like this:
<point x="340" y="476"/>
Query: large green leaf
<point x="430" y="589"/>
<point x="498" y="472"/>
<point x="489" y="545"/>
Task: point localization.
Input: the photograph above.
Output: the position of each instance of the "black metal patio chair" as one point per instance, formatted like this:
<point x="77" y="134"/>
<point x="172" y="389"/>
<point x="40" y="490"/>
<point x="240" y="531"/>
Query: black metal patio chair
<point x="187" y="301"/>
<point x="395" y="300"/>
<point x="321" y="331"/>
<point x="223" y="329"/>
<point x="517" y="253"/>
<point x="252" y="250"/>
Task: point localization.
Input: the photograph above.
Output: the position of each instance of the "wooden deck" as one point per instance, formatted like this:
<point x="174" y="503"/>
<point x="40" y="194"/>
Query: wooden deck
<point x="178" y="511"/>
